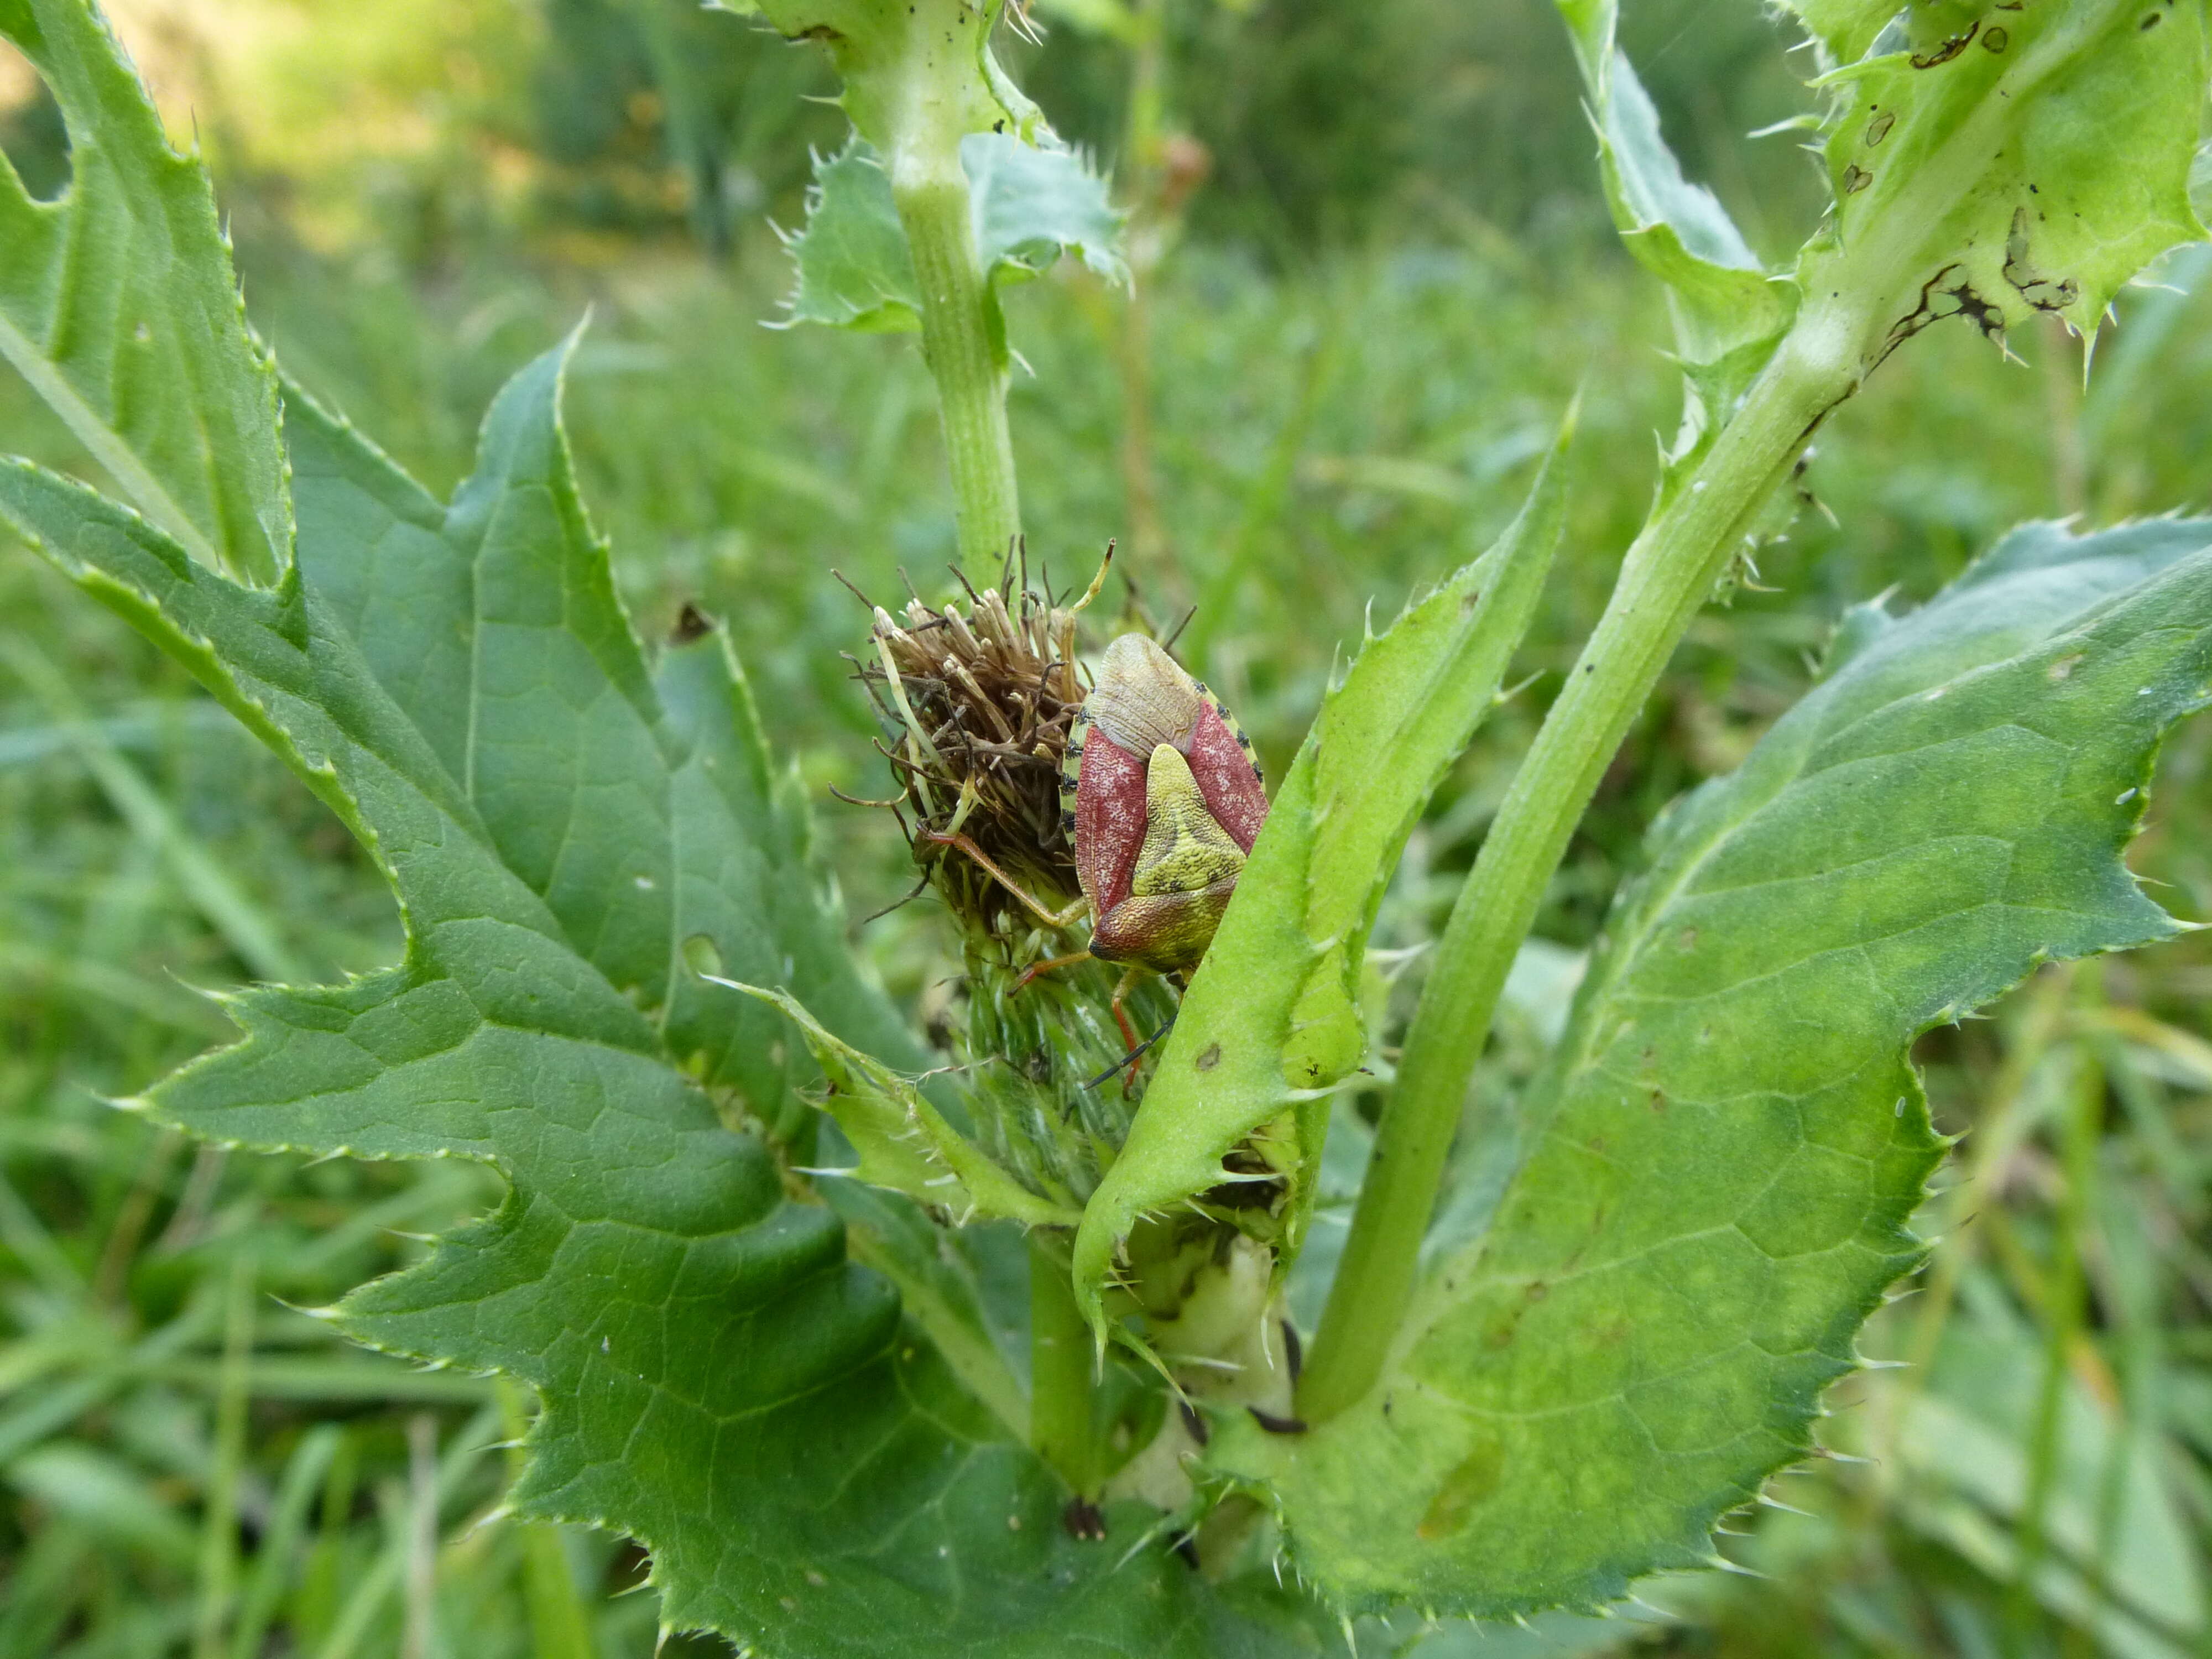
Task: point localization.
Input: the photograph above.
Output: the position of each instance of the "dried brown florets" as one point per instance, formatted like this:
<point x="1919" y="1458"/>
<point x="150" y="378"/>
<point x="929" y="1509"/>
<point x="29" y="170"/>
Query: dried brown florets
<point x="978" y="704"/>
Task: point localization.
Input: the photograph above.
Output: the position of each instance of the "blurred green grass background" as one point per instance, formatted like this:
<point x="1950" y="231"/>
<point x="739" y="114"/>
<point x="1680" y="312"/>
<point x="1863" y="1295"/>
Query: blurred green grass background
<point x="1363" y="324"/>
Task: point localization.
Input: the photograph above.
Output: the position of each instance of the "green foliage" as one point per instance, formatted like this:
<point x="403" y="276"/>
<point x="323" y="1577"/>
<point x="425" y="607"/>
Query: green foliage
<point x="904" y="1143"/>
<point x="853" y="269"/>
<point x="919" y="77"/>
<point x="2106" y="1510"/>
<point x="1721" y="1160"/>
<point x="1957" y="148"/>
<point x="922" y="86"/>
<point x="1728" y="312"/>
<point x="1030" y="204"/>
<point x="621" y="84"/>
<point x="1034" y="202"/>
<point x="1270" y="1022"/>
<point x="1995" y="163"/>
<point x="699" y="1339"/>
<point x="1399" y="456"/>
<point x="118" y="304"/>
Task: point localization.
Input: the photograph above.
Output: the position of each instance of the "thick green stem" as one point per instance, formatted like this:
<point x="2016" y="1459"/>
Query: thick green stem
<point x="963" y="341"/>
<point x="1063" y="1421"/>
<point x="1667" y="577"/>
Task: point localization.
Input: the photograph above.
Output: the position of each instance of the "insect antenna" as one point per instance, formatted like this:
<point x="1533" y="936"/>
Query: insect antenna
<point x="1134" y="1056"/>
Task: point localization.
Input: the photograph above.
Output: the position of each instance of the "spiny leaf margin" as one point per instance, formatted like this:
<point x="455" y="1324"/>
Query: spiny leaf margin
<point x="1270" y="1023"/>
<point x="1030" y="204"/>
<point x="119" y="305"/>
<point x="1643" y="1336"/>
<point x="703" y="1347"/>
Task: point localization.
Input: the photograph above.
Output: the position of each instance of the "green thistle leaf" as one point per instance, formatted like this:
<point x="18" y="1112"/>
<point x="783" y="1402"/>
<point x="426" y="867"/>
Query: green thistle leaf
<point x="1031" y="204"/>
<point x="1270" y="1020"/>
<point x="566" y="828"/>
<point x="1993" y="162"/>
<point x="1718" y="1170"/>
<point x="118" y="307"/>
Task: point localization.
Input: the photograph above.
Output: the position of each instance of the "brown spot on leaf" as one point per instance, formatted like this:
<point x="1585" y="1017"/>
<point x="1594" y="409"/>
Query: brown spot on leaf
<point x="1472" y="1480"/>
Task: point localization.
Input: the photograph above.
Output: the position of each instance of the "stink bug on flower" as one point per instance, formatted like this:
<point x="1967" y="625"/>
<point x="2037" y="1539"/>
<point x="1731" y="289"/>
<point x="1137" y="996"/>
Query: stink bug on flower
<point x="1162" y="802"/>
<point x="1167" y="803"/>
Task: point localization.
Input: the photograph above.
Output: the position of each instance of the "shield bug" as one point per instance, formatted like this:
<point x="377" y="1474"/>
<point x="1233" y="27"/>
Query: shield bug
<point x="1166" y="804"/>
<point x="1162" y="801"/>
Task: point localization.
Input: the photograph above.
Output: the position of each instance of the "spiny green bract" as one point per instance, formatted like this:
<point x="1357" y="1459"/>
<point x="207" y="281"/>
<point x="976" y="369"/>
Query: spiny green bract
<point x="1270" y="1022"/>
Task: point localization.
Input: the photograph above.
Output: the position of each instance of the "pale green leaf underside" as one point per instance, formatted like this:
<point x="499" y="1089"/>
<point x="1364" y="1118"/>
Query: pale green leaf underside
<point x="1270" y="1021"/>
<point x="1031" y="204"/>
<point x="1722" y="300"/>
<point x="1719" y="1169"/>
<point x="1996" y="160"/>
<point x="853" y="268"/>
<point x="919" y="74"/>
<point x="558" y="823"/>
<point x="117" y="305"/>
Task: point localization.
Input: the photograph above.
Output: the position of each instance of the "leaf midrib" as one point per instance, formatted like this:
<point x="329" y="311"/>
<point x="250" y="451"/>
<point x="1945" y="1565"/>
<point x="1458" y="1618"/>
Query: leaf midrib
<point x="107" y="445"/>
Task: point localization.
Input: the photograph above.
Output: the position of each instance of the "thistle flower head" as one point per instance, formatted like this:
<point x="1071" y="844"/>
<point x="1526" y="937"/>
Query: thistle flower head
<point x="978" y="701"/>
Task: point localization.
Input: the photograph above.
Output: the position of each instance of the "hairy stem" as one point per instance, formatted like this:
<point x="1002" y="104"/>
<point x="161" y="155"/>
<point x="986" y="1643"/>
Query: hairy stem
<point x="1063" y="1426"/>
<point x="1668" y="575"/>
<point x="963" y="340"/>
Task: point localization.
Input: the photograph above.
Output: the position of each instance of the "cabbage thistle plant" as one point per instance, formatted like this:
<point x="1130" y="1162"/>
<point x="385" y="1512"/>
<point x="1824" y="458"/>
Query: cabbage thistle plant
<point x="759" y="1285"/>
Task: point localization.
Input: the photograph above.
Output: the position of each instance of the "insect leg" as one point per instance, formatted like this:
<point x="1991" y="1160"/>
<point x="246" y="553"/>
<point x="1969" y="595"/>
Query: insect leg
<point x="1121" y="989"/>
<point x="1035" y="968"/>
<point x="1067" y="918"/>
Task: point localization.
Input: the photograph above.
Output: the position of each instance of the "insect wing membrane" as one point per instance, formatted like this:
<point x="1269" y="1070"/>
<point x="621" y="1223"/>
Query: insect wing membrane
<point x="1143" y="698"/>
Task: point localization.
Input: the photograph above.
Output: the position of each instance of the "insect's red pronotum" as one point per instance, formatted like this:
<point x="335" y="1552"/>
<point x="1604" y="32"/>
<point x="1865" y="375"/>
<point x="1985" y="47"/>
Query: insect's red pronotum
<point x="1163" y="802"/>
